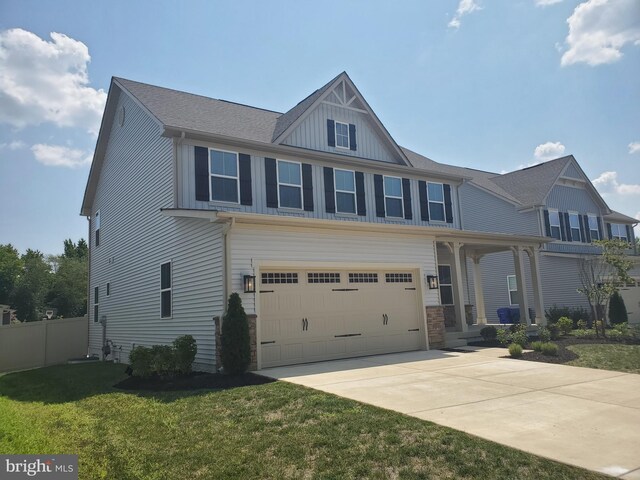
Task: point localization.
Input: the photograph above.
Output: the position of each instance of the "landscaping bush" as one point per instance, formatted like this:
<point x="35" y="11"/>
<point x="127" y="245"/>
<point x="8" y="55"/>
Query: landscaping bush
<point x="550" y="349"/>
<point x="537" y="346"/>
<point x="574" y="313"/>
<point x="235" y="351"/>
<point x="185" y="353"/>
<point x="163" y="360"/>
<point x="617" y="309"/>
<point x="581" y="324"/>
<point x="503" y="336"/>
<point x="520" y="336"/>
<point x="140" y="360"/>
<point x="587" y="333"/>
<point x="489" y="333"/>
<point x="565" y="325"/>
<point x="544" y="334"/>
<point x="515" y="350"/>
<point x="554" y="331"/>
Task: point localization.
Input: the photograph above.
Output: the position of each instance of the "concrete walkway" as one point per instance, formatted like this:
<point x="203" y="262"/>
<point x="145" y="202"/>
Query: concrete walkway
<point x="581" y="416"/>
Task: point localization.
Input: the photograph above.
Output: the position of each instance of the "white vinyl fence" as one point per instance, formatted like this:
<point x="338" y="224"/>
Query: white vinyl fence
<point x="43" y="343"/>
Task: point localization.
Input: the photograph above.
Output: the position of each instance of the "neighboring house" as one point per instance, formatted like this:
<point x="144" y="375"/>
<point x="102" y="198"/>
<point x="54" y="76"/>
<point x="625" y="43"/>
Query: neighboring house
<point x="333" y="235"/>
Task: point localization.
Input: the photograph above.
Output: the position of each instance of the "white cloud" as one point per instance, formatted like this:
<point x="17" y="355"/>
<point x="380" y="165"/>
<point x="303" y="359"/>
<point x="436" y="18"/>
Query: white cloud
<point x="634" y="147"/>
<point x="14" y="145"/>
<point x="464" y="8"/>
<point x="42" y="81"/>
<point x="548" y="151"/>
<point x="607" y="182"/>
<point x="545" y="3"/>
<point x="598" y="29"/>
<point x="59" y="156"/>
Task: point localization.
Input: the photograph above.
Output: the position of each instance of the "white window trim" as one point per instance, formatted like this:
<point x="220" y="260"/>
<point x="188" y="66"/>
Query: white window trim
<point x="620" y="227"/>
<point x="236" y="178"/>
<point x="551" y="225"/>
<point x="440" y="284"/>
<point x="96" y="302"/>
<point x="401" y="197"/>
<point x="573" y="239"/>
<point x="509" y="288"/>
<point x="591" y="230"/>
<point x="170" y="289"/>
<point x="335" y="132"/>
<point x="289" y="184"/>
<point x="336" y="191"/>
<point x="429" y="201"/>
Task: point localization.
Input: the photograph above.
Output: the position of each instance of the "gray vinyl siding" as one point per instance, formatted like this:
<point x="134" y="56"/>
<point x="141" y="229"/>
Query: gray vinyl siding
<point x="561" y="280"/>
<point x="573" y="172"/>
<point x="187" y="196"/>
<point x="312" y="134"/>
<point x="575" y="199"/>
<point x="484" y="212"/>
<point x="136" y="181"/>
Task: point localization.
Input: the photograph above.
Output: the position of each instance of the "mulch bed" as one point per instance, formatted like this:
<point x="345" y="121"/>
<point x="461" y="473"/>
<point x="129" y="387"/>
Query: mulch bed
<point x="193" y="381"/>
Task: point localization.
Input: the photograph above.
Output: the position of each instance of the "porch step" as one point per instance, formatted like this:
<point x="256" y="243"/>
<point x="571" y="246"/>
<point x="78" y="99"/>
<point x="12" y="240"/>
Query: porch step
<point x="453" y="340"/>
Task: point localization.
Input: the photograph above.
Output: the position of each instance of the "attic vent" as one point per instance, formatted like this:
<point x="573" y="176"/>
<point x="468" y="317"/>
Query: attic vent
<point x="121" y="116"/>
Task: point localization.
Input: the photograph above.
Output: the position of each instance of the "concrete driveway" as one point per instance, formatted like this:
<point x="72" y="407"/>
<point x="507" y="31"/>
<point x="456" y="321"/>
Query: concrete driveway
<point x="581" y="416"/>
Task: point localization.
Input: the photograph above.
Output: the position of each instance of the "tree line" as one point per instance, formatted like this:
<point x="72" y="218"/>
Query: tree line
<point x="33" y="283"/>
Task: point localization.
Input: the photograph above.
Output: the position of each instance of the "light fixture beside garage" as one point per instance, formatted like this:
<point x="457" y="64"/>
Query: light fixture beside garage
<point x="432" y="281"/>
<point x="249" y="284"/>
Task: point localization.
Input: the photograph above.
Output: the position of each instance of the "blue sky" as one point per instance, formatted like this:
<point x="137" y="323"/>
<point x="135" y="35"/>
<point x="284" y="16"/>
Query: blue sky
<point x="490" y="84"/>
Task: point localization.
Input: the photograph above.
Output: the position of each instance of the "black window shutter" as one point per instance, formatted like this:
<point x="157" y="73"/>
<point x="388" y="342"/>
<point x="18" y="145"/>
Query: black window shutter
<point x="587" y="231"/>
<point x="424" y="204"/>
<point x="307" y="187"/>
<point x="379" y="192"/>
<point x="329" y="196"/>
<point x="563" y="230"/>
<point x="244" y="161"/>
<point x="352" y="137"/>
<point x="448" y="207"/>
<point x="406" y="198"/>
<point x="567" y="225"/>
<point x="360" y="198"/>
<point x="630" y="234"/>
<point x="600" y="228"/>
<point x="547" y="223"/>
<point x="583" y="235"/>
<point x="609" y="235"/>
<point x="271" y="182"/>
<point x="201" y="156"/>
<point x="331" y="133"/>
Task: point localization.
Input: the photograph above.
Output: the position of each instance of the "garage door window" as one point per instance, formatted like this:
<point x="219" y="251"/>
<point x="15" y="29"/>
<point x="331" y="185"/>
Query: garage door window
<point x="279" y="278"/>
<point x="323" y="277"/>
<point x="398" y="277"/>
<point x="363" y="278"/>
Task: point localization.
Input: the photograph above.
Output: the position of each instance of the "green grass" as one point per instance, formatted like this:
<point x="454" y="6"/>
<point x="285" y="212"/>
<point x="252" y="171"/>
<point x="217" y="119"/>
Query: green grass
<point x="277" y="430"/>
<point x="608" y="356"/>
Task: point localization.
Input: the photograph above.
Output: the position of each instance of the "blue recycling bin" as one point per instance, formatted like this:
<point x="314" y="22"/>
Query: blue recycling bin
<point x="515" y="315"/>
<point x="504" y="315"/>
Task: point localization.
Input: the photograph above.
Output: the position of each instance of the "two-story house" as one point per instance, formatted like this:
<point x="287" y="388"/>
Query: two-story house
<point x="340" y="242"/>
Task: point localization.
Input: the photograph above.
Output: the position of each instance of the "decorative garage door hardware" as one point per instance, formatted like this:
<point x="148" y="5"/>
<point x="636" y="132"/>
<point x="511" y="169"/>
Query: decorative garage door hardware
<point x="413" y="330"/>
<point x="305" y="324"/>
<point x="344" y="289"/>
<point x="267" y="291"/>
<point x="385" y="319"/>
<point x="348" y="335"/>
<point x="267" y="343"/>
<point x="410" y="288"/>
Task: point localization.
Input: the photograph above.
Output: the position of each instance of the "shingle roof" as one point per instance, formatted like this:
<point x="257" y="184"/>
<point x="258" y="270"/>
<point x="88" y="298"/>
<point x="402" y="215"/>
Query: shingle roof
<point x="187" y="111"/>
<point x="620" y="217"/>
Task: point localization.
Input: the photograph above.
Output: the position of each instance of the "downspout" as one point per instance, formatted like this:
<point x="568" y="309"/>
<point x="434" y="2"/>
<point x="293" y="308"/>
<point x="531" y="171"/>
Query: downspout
<point x="228" y="283"/>
<point x="176" y="143"/>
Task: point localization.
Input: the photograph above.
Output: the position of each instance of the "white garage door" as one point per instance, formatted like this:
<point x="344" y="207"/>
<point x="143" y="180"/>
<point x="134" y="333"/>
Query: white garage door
<point x="313" y="315"/>
<point x="630" y="293"/>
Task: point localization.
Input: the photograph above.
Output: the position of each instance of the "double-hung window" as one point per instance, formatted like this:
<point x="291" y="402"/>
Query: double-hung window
<point x="96" y="304"/>
<point x="554" y="224"/>
<point x="393" y="197"/>
<point x="289" y="184"/>
<point x="97" y="222"/>
<point x="224" y="176"/>
<point x="594" y="231"/>
<point x="512" y="287"/>
<point x="574" y="224"/>
<point x="345" y="183"/>
<point x="165" y="290"/>
<point x="342" y="135"/>
<point x="435" y="193"/>
<point x="619" y="232"/>
<point x="446" y="288"/>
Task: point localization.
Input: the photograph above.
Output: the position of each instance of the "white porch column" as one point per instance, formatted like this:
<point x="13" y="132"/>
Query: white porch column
<point x="461" y="318"/>
<point x="523" y="302"/>
<point x="534" y="260"/>
<point x="481" y="316"/>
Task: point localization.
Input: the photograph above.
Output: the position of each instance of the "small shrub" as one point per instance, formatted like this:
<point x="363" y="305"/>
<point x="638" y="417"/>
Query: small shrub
<point x="550" y="349"/>
<point x="503" y="336"/>
<point x="544" y="334"/>
<point x="614" y="334"/>
<point x="163" y="360"/>
<point x="235" y="351"/>
<point x="185" y="353"/>
<point x="585" y="333"/>
<point x="554" y="331"/>
<point x="565" y="325"/>
<point x="520" y="336"/>
<point x="537" y="346"/>
<point x="554" y="313"/>
<point x="489" y="333"/>
<point x="582" y="324"/>
<point x="140" y="360"/>
<point x="617" y="309"/>
<point x="515" y="350"/>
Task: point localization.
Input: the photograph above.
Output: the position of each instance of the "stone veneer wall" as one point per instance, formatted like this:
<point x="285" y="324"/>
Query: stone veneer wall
<point x="253" y="342"/>
<point x="435" y="326"/>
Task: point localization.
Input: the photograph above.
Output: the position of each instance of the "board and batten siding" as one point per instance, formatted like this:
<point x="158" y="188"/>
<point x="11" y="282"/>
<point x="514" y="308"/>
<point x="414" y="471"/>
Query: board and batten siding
<point x="252" y="244"/>
<point x="187" y="195"/>
<point x="136" y="181"/>
<point x="572" y="172"/>
<point x="484" y="212"/>
<point x="566" y="198"/>
<point x="311" y="134"/>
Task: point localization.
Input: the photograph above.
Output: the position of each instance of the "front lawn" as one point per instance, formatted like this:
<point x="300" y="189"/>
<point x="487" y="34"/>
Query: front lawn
<point x="611" y="356"/>
<point x="276" y="430"/>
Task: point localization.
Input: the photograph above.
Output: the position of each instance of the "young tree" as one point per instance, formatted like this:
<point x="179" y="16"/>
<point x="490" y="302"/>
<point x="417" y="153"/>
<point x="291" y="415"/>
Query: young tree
<point x="235" y="349"/>
<point x="32" y="286"/>
<point x="617" y="309"/>
<point x="10" y="269"/>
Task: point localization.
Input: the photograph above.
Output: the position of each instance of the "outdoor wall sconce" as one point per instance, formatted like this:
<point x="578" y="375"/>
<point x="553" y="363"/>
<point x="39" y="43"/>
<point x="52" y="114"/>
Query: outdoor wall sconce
<point x="432" y="281"/>
<point x="249" y="284"/>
